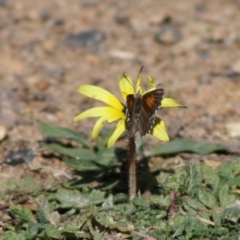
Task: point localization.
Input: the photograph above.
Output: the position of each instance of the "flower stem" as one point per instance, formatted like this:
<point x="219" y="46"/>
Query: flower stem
<point x="132" y="168"/>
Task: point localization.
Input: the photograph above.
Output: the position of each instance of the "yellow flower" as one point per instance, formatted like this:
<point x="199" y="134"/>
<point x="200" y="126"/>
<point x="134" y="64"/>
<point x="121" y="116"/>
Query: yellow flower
<point x="117" y="110"/>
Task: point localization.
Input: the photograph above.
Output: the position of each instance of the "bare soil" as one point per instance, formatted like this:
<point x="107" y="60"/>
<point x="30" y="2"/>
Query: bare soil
<point x="191" y="47"/>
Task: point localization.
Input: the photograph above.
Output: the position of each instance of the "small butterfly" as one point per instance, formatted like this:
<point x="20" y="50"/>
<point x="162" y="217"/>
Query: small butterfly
<point x="141" y="109"/>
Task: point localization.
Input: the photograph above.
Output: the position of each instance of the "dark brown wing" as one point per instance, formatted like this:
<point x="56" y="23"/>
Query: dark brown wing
<point x="151" y="101"/>
<point x="129" y="110"/>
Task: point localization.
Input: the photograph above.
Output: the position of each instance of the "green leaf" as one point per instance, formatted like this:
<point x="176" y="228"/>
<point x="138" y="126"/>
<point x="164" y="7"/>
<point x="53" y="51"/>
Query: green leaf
<point x="42" y="216"/>
<point x="230" y="171"/>
<point x="211" y="177"/>
<point x="232" y="213"/>
<point x="23" y="214"/>
<point x="225" y="197"/>
<point x="105" y="160"/>
<point x="184" y="145"/>
<point x="82" y="165"/>
<point x="102" y="140"/>
<point x="194" y="178"/>
<point x="195" y="204"/>
<point x="60" y="132"/>
<point x="9" y="235"/>
<point x="217" y="216"/>
<point x="179" y="225"/>
<point x="206" y="198"/>
<point x="52" y="232"/>
<point x="71" y="198"/>
<point x="32" y="231"/>
<point x="110" y="156"/>
<point x="79" y="153"/>
<point x="76" y="199"/>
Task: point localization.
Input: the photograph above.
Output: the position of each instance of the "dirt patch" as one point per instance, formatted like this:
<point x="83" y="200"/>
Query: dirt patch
<point x="192" y="48"/>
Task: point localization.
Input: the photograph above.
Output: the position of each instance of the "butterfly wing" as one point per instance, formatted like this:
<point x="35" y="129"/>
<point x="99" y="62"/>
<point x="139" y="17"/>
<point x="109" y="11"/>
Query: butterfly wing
<point x="129" y="110"/>
<point x="151" y="101"/>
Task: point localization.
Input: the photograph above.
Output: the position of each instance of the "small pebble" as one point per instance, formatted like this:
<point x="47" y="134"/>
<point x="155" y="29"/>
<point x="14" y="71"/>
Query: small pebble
<point x="233" y="129"/>
<point x="122" y="54"/>
<point x="236" y="66"/>
<point x="89" y="3"/>
<point x="5" y="3"/>
<point x="45" y="15"/>
<point x="85" y="39"/>
<point x="3" y="132"/>
<point x="43" y="85"/>
<point x="59" y="22"/>
<point x="21" y="156"/>
<point x="168" y="33"/>
<point x="122" y="19"/>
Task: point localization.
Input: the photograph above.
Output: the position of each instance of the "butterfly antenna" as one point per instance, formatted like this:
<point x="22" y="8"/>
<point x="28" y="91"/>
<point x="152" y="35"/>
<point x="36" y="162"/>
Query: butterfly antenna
<point x="124" y="75"/>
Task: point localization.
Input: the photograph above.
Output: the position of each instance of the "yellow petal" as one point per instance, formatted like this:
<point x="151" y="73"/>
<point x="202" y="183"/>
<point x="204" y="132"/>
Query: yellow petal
<point x="151" y="82"/>
<point x="101" y="95"/>
<point x="159" y="130"/>
<point x="98" y="127"/>
<point x="169" y="102"/>
<point x="126" y="86"/>
<point x="114" y="115"/>
<point x="139" y="82"/>
<point x="117" y="133"/>
<point x="109" y="113"/>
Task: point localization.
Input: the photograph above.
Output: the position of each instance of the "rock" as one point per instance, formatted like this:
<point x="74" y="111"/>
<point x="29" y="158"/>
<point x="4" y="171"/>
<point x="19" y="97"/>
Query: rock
<point x="3" y="132"/>
<point x="168" y="33"/>
<point x="9" y="108"/>
<point x="59" y="22"/>
<point x="89" y="3"/>
<point x="57" y="73"/>
<point x="122" y="54"/>
<point x="48" y="46"/>
<point x="122" y="19"/>
<point x="39" y="97"/>
<point x="50" y="108"/>
<point x="43" y="85"/>
<point x="20" y="156"/>
<point x="45" y="16"/>
<point x="233" y="129"/>
<point x="5" y="3"/>
<point x="236" y="66"/>
<point x="85" y="39"/>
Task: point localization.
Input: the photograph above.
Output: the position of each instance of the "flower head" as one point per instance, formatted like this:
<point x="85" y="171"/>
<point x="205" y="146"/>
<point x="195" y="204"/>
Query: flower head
<point x="117" y="110"/>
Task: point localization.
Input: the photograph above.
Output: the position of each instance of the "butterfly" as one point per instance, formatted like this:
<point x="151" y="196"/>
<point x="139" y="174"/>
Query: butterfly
<point x="141" y="109"/>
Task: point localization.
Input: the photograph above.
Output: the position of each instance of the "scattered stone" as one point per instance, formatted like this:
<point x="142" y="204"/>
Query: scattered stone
<point x="85" y="39"/>
<point x="56" y="73"/>
<point x="5" y="3"/>
<point x="50" y="108"/>
<point x="9" y="108"/>
<point x="168" y="33"/>
<point x="48" y="46"/>
<point x="41" y="97"/>
<point x="122" y="19"/>
<point x="21" y="156"/>
<point x="43" y="85"/>
<point x="233" y="129"/>
<point x="236" y="66"/>
<point x="212" y="163"/>
<point x="3" y="132"/>
<point x="59" y="22"/>
<point x="45" y="15"/>
<point x="122" y="54"/>
<point x="89" y="3"/>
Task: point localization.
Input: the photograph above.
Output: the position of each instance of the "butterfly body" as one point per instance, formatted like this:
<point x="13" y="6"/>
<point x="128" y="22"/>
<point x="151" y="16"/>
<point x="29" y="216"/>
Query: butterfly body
<point x="141" y="111"/>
